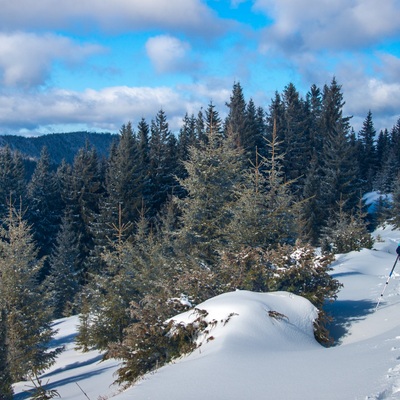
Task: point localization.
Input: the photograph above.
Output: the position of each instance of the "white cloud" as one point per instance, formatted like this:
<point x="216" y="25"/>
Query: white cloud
<point x="167" y="53"/>
<point x="26" y="58"/>
<point x="302" y="25"/>
<point x="106" y="109"/>
<point x="190" y="16"/>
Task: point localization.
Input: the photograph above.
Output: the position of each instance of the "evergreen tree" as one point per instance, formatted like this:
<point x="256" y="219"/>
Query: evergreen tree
<point x="367" y="153"/>
<point x="62" y="284"/>
<point x="82" y="189"/>
<point x="44" y="205"/>
<point x="213" y="124"/>
<point x="395" y="212"/>
<point x="6" y="390"/>
<point x="124" y="179"/>
<point x="27" y="317"/>
<point x="200" y="127"/>
<point x="111" y="292"/>
<point x="295" y="136"/>
<point x="163" y="163"/>
<point x="236" y="119"/>
<point x="186" y="139"/>
<point x="346" y="231"/>
<point x="143" y="144"/>
<point x="214" y="172"/>
<point x="311" y="213"/>
<point x="275" y="118"/>
<point x="255" y="131"/>
<point x="12" y="177"/>
<point x="264" y="213"/>
<point x="314" y="101"/>
<point x="338" y="161"/>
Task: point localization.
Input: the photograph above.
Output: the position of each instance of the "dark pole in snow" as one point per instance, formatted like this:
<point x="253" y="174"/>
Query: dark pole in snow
<point x="387" y="282"/>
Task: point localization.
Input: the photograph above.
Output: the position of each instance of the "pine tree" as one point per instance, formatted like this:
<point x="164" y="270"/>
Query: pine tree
<point x="27" y="317"/>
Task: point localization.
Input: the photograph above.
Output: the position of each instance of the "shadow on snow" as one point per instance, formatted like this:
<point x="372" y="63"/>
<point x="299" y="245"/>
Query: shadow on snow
<point x="58" y="384"/>
<point x="344" y="313"/>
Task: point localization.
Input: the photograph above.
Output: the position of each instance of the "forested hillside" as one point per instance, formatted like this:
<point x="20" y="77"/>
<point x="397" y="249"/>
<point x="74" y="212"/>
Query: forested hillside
<point x="59" y="145"/>
<point x="167" y="221"/>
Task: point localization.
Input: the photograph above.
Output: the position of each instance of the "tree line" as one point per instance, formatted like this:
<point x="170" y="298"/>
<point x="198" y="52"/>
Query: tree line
<point x="166" y="220"/>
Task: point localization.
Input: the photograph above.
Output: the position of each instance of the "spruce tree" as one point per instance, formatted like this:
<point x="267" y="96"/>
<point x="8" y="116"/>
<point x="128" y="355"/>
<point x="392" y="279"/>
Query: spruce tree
<point x="338" y="159"/>
<point x="44" y="205"/>
<point x="367" y="153"/>
<point x="236" y="119"/>
<point x="62" y="284"/>
<point x="163" y="163"/>
<point x="295" y="137"/>
<point x="214" y="172"/>
<point x="12" y="177"/>
<point x="255" y="131"/>
<point x="82" y="190"/>
<point x="264" y="213"/>
<point x="124" y="176"/>
<point x="27" y="316"/>
<point x="6" y="390"/>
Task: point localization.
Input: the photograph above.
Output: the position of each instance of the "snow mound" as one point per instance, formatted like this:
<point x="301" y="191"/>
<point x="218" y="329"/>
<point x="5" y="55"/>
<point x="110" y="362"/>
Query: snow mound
<point x="256" y="321"/>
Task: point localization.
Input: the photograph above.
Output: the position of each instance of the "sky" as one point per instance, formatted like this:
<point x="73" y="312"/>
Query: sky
<point x="68" y="65"/>
<point x="247" y="354"/>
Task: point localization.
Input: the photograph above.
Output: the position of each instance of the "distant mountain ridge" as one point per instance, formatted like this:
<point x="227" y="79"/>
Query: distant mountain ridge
<point x="60" y="145"/>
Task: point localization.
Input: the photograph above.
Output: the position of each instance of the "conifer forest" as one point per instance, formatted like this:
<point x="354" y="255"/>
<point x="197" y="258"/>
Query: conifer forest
<point x="167" y="220"/>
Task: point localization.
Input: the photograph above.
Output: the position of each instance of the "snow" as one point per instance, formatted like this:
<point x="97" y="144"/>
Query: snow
<point x="261" y="345"/>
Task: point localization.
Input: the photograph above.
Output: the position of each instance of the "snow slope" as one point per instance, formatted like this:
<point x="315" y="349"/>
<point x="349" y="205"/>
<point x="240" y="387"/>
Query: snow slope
<point x="249" y="354"/>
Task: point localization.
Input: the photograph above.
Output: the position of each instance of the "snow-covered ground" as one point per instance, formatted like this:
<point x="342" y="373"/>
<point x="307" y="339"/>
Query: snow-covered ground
<point x="249" y="354"/>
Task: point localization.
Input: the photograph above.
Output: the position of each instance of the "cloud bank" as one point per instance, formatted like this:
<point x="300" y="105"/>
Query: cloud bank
<point x="192" y="17"/>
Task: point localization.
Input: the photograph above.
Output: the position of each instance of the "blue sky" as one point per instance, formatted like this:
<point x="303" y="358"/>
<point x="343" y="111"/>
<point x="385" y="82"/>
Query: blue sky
<point x="68" y="65"/>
